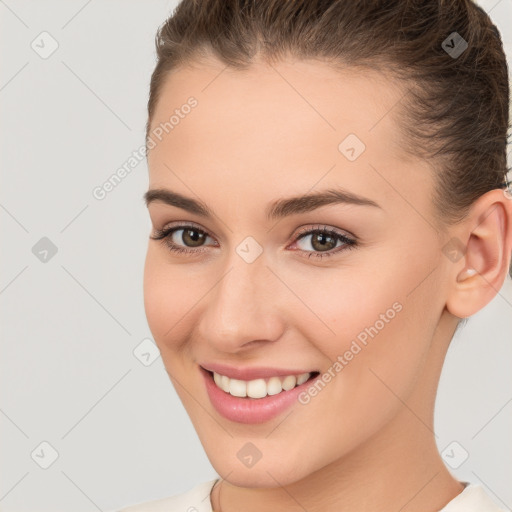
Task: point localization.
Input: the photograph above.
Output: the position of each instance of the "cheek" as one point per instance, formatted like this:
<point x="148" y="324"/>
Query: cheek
<point x="367" y="327"/>
<point x="376" y="353"/>
<point x="167" y="298"/>
<point x="344" y="307"/>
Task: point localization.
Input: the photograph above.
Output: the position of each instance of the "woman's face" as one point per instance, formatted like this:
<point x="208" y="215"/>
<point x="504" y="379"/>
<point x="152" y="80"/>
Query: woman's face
<point x="251" y="289"/>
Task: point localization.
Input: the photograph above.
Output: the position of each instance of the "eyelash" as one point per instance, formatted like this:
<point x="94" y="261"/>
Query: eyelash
<point x="164" y="235"/>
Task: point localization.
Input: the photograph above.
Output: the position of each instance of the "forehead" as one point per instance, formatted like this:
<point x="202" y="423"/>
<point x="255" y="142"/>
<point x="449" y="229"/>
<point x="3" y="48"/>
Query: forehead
<point x="285" y="97"/>
<point x="282" y="122"/>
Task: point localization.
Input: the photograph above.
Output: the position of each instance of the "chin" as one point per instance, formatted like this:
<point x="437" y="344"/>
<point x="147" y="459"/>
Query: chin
<point x="270" y="472"/>
<point x="271" y="476"/>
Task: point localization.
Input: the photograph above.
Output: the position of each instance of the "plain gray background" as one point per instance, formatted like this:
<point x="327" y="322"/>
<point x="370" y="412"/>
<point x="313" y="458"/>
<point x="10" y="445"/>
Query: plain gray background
<point x="69" y="376"/>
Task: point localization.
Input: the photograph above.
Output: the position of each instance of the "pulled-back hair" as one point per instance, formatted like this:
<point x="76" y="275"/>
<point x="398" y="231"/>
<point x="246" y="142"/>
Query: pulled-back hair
<point x="455" y="109"/>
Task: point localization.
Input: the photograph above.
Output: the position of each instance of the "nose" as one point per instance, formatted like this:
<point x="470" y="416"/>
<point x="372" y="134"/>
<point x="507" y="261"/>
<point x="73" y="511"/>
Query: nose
<point x="242" y="309"/>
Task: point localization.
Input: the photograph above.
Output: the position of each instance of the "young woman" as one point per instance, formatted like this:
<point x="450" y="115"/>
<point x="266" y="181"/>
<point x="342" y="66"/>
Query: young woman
<point x="328" y="202"/>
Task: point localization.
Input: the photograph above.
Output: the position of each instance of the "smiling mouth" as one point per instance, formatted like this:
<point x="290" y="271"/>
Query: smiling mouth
<point x="260" y="388"/>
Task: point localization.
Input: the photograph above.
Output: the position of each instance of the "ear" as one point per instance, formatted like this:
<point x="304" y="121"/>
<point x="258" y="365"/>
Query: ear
<point x="483" y="242"/>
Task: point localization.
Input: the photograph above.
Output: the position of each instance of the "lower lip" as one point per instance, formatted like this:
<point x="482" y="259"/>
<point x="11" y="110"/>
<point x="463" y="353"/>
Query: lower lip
<point x="250" y="410"/>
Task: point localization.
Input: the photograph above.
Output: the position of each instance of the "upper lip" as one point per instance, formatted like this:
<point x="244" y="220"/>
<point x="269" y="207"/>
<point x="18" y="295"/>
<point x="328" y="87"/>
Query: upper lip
<point x="251" y="373"/>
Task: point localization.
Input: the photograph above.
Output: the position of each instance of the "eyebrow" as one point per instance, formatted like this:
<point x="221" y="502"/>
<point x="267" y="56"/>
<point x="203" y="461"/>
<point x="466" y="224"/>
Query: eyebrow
<point x="277" y="209"/>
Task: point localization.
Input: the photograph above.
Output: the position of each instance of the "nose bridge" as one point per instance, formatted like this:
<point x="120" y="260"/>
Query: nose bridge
<point x="239" y="309"/>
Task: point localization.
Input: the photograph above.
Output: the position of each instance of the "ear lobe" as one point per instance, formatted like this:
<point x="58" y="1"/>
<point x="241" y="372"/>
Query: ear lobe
<point x="487" y="238"/>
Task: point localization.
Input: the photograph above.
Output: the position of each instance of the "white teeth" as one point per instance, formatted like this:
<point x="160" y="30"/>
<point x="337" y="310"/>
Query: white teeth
<point x="289" y="382"/>
<point x="274" y="386"/>
<point x="237" y="387"/>
<point x="259" y="388"/>
<point x="224" y="383"/>
<point x="302" y="378"/>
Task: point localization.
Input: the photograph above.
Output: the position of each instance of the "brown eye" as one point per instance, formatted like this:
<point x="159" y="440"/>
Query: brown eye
<point x="192" y="237"/>
<point x="183" y="239"/>
<point x="323" y="242"/>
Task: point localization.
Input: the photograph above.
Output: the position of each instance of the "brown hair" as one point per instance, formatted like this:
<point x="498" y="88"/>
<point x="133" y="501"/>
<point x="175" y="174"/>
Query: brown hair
<point x="455" y="112"/>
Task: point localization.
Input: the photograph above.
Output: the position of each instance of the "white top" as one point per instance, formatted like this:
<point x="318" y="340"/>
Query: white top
<point x="197" y="499"/>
